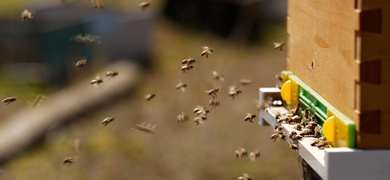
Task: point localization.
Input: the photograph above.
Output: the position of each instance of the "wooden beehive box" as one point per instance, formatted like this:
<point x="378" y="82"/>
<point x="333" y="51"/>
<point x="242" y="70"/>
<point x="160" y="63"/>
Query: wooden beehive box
<point x="340" y="48"/>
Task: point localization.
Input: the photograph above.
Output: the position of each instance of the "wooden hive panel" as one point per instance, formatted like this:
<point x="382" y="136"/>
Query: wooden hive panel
<point x="339" y="49"/>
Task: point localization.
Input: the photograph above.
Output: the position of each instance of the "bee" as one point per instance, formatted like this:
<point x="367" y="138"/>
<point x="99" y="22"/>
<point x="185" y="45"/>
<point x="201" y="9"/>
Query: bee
<point x="213" y="102"/>
<point x="234" y="91"/>
<point x="97" y="81"/>
<point x="87" y="39"/>
<point x="150" y="96"/>
<point x="249" y="117"/>
<point x="144" y="5"/>
<point x="38" y="99"/>
<point x="217" y="76"/>
<point x="181" y="86"/>
<point x="298" y="127"/>
<point x="188" y="61"/>
<point x="70" y="160"/>
<point x="279" y="45"/>
<point x="253" y="155"/>
<point x="245" y="176"/>
<point x="111" y="74"/>
<point x="145" y="127"/>
<point x="293" y="146"/>
<point x="213" y="92"/>
<point x="26" y="15"/>
<point x="262" y="105"/>
<point x="240" y="152"/>
<point x="279" y="80"/>
<point x="9" y="99"/>
<point x="206" y="51"/>
<point x="200" y="119"/>
<point x="244" y="82"/>
<point x="275" y="136"/>
<point x="81" y="62"/>
<point x="182" y="117"/>
<point x="201" y="110"/>
<point x="107" y="120"/>
<point x="97" y="4"/>
<point x="294" y="136"/>
<point x="185" y="68"/>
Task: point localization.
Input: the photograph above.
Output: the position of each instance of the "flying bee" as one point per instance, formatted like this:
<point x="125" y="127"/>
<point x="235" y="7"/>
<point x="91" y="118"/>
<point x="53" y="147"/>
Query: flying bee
<point x="213" y="102"/>
<point x="200" y="119"/>
<point x="107" y="120"/>
<point x="111" y="74"/>
<point x="97" y="81"/>
<point x="9" y="99"/>
<point x="144" y="5"/>
<point x="234" y="91"/>
<point x="150" y="96"/>
<point x="206" y="51"/>
<point x="201" y="110"/>
<point x="87" y="39"/>
<point x="240" y="152"/>
<point x="182" y="117"/>
<point x="97" y="4"/>
<point x="245" y="176"/>
<point x="293" y="146"/>
<point x="37" y="100"/>
<point x="279" y="45"/>
<point x="244" y="82"/>
<point x="253" y="155"/>
<point x="181" y="86"/>
<point x="26" y="15"/>
<point x="185" y="68"/>
<point x="262" y="105"/>
<point x="213" y="92"/>
<point x="249" y="117"/>
<point x="279" y="80"/>
<point x="275" y="136"/>
<point x="145" y="127"/>
<point x="70" y="160"/>
<point x="217" y="76"/>
<point x="188" y="61"/>
<point x="81" y="62"/>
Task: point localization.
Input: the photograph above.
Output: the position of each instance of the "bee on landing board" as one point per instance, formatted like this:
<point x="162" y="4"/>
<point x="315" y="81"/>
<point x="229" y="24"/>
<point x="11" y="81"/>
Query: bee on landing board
<point x="9" y="100"/>
<point x="26" y="15"/>
<point x="206" y="51"/>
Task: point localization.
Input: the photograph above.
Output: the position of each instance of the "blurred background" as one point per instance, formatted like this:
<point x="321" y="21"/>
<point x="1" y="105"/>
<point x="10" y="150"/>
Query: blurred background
<point x="37" y="56"/>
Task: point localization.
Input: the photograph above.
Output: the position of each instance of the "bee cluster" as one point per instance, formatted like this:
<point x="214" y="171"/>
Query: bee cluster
<point x="305" y="124"/>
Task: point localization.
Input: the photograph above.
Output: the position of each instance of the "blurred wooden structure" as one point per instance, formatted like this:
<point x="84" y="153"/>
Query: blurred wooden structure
<point x="339" y="49"/>
<point x="29" y="125"/>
